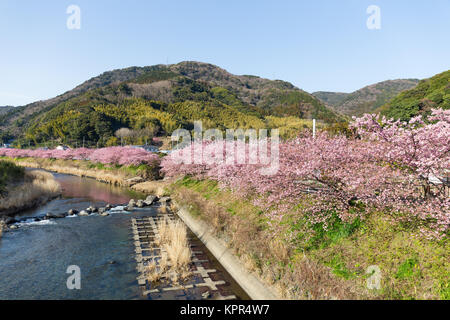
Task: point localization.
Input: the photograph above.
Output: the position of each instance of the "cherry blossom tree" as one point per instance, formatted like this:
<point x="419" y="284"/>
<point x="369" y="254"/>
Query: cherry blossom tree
<point x="386" y="168"/>
<point x="110" y="155"/>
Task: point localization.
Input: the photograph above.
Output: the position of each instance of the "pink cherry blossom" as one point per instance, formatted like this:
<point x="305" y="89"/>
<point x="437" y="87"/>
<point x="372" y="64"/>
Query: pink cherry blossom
<point x="110" y="155"/>
<point x="389" y="168"/>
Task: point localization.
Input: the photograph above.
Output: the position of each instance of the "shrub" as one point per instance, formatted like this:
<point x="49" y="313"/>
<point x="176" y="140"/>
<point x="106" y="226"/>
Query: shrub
<point x="8" y="172"/>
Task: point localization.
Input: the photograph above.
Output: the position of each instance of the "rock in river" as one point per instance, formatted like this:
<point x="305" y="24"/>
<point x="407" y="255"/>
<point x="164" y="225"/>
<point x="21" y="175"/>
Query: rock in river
<point x="50" y="215"/>
<point x="55" y="215"/>
<point x="150" y="200"/>
<point x="72" y="212"/>
<point x="9" y="220"/>
<point x="164" y="199"/>
<point x="140" y="203"/>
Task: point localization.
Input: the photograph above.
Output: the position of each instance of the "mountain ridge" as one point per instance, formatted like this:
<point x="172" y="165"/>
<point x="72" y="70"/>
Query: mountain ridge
<point x="5" y="109"/>
<point x="366" y="99"/>
<point x="153" y="90"/>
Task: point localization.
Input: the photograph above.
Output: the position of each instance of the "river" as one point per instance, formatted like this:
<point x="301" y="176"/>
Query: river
<point x="34" y="258"/>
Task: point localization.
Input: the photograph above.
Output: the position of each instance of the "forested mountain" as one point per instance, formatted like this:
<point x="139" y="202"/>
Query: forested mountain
<point x="5" y="109"/>
<point x="367" y="99"/>
<point x="428" y="94"/>
<point x="331" y="98"/>
<point x="158" y="99"/>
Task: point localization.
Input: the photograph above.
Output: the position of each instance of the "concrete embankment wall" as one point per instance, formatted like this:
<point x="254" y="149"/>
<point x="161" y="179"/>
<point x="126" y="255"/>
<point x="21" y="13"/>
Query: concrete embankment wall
<point x="256" y="289"/>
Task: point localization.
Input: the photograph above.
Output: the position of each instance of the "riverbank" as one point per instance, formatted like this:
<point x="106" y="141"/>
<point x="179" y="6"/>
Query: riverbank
<point x="39" y="245"/>
<point x="140" y="178"/>
<point x="333" y="265"/>
<point x="119" y="176"/>
<point x="26" y="189"/>
<point x="94" y="218"/>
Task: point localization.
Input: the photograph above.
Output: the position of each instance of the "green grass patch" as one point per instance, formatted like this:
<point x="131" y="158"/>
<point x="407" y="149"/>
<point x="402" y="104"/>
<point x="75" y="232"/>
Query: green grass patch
<point x="444" y="289"/>
<point x="408" y="269"/>
<point x="316" y="236"/>
<point x="210" y="190"/>
<point x="340" y="269"/>
<point x="97" y="165"/>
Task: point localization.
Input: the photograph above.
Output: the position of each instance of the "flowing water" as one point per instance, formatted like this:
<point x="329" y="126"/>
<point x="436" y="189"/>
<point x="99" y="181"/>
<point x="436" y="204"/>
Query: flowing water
<point x="34" y="258"/>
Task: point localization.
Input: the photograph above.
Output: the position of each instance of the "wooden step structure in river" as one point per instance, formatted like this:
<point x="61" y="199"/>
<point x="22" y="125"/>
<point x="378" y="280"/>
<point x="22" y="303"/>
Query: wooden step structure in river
<point x="206" y="281"/>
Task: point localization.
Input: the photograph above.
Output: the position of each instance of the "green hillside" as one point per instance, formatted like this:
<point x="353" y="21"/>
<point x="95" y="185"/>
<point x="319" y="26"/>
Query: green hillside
<point x="330" y="98"/>
<point x="367" y="99"/>
<point x="428" y="94"/>
<point x="156" y="100"/>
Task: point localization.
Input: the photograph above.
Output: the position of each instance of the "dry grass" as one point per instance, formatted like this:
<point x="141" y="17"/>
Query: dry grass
<point x="111" y="175"/>
<point x="2" y="226"/>
<point x="163" y="209"/>
<point x="157" y="187"/>
<point x="37" y="187"/>
<point x="77" y="168"/>
<point x="173" y="238"/>
<point x="157" y="270"/>
<point x="307" y="279"/>
<point x="175" y="259"/>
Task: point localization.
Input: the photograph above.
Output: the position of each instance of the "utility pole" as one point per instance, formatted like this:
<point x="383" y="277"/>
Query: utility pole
<point x="314" y="128"/>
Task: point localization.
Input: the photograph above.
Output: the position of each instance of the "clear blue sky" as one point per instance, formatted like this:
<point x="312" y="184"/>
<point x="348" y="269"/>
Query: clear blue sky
<point x="316" y="45"/>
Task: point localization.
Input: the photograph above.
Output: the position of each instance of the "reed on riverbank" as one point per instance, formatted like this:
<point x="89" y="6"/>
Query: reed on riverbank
<point x="176" y="254"/>
<point x="113" y="174"/>
<point x="2" y="226"/>
<point x="34" y="188"/>
<point x="173" y="238"/>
